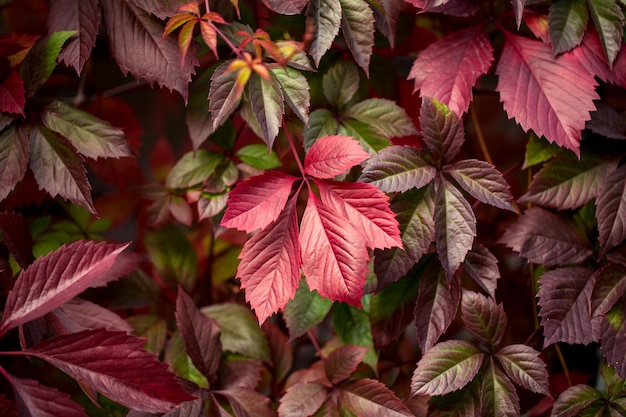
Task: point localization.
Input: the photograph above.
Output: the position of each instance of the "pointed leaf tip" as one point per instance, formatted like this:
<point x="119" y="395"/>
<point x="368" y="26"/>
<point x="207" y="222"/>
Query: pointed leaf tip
<point x="333" y="155"/>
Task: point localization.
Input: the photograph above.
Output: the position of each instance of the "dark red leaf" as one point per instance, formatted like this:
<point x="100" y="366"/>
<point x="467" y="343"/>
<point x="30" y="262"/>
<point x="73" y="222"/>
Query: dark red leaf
<point x="14" y="153"/>
<point x="333" y="155"/>
<point x="482" y="266"/>
<point x="77" y="315"/>
<point x="160" y="8"/>
<point x="302" y="400"/>
<point x="614" y="337"/>
<point x="281" y="350"/>
<point x="442" y="129"/>
<point x="240" y="373"/>
<point x="248" y="403"/>
<point x="17" y="237"/>
<point x="342" y="362"/>
<point x="523" y="366"/>
<point x="483" y="318"/>
<point x="606" y="121"/>
<point x="610" y="285"/>
<point x="371" y="398"/>
<point x="611" y="210"/>
<point x="12" y="94"/>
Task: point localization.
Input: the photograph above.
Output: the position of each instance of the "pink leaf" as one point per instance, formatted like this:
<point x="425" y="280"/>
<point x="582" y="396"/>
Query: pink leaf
<point x="342" y="362"/>
<point x="270" y="267"/>
<point x="334" y="257"/>
<point x="558" y="93"/>
<point x="258" y="201"/>
<point x="333" y="155"/>
<point x="12" y="94"/>
<point x="57" y="277"/>
<point x="448" y="69"/>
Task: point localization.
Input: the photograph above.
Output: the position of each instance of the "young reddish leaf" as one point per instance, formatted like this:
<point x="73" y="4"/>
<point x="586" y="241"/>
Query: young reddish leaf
<point x="523" y="366"/>
<point x="82" y="16"/>
<point x="383" y="115"/>
<point x="14" y="153"/>
<point x="611" y="210"/>
<point x="302" y="400"/>
<point x="77" y="315"/>
<point x="246" y="402"/>
<point x="448" y="68"/>
<point x="498" y="396"/>
<point x="610" y="285"/>
<point x="606" y="121"/>
<point x="574" y="400"/>
<point x="12" y="94"/>
<point x="608" y="19"/>
<point x="483" y="318"/>
<point x="295" y="89"/>
<point x="371" y="398"/>
<point x="258" y="201"/>
<point x="325" y="19"/>
<point x="223" y="94"/>
<point x="333" y="155"/>
<point x="614" y="337"/>
<point x="334" y="257"/>
<point x="398" y="169"/>
<point x="567" y="22"/>
<point x="17" y="237"/>
<point x="455" y="226"/>
<point x="565" y="300"/>
<point x="447" y="367"/>
<point x="58" y="277"/>
<point x="340" y="83"/>
<point x="266" y="99"/>
<point x="136" y="43"/>
<point x="306" y="310"/>
<point x="137" y="380"/>
<point x="558" y="95"/>
<point x="482" y="266"/>
<point x="270" y="264"/>
<point x="442" y="129"/>
<point x="482" y="181"/>
<point x="201" y="335"/>
<point x="36" y="400"/>
<point x="357" y="25"/>
<point x="543" y="237"/>
<point x="185" y="36"/>
<point x="342" y="362"/>
<point x="538" y="25"/>
<point x="209" y="35"/>
<point x="563" y="183"/>
<point x="288" y="7"/>
<point x="437" y="302"/>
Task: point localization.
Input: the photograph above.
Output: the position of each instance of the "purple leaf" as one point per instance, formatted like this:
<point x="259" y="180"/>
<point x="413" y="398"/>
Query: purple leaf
<point x="448" y="68"/>
<point x="607" y="122"/>
<point x="137" y="44"/>
<point x="383" y="115"/>
<point x="58" y="277"/>
<point x="288" y="7"/>
<point x="543" y="238"/>
<point x="442" y="129"/>
<point x="523" y="366"/>
<point x="266" y="99"/>
<point x="114" y="364"/>
<point x="482" y="181"/>
<point x="565" y="300"/>
<point x="613" y="344"/>
<point x="610" y="285"/>
<point x="567" y="20"/>
<point x="302" y="400"/>
<point x="201" y="335"/>
<point x="498" y="396"/>
<point x="483" y="318"/>
<point x="608" y="19"/>
<point x="16" y="236"/>
<point x="482" y="266"/>
<point x="371" y="398"/>
<point x="160" y="8"/>
<point x="447" y="367"/>
<point x="223" y="94"/>
<point x="77" y="315"/>
<point x="325" y="16"/>
<point x="342" y="362"/>
<point x="14" y="153"/>
<point x="611" y="210"/>
<point x="357" y="25"/>
<point x="248" y="403"/>
<point x="574" y="400"/>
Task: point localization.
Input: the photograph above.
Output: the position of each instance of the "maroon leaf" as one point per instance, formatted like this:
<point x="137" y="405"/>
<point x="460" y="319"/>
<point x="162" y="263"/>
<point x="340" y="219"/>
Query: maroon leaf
<point x="482" y="266"/>
<point x="442" y="129"/>
<point x="591" y="56"/>
<point x="614" y="337"/>
<point x="17" y="237"/>
<point x="187" y="409"/>
<point x="483" y="318"/>
<point x="267" y="102"/>
<point x="523" y="366"/>
<point x="240" y="373"/>
<point x="288" y="7"/>
<point x="565" y="300"/>
<point x="114" y="364"/>
<point x="606" y="121"/>
<point x="611" y="210"/>
<point x="77" y="315"/>
<point x="342" y="362"/>
<point x="160" y="8"/>
<point x="498" y="396"/>
<point x="281" y="350"/>
<point x="543" y="238"/>
<point x="370" y="398"/>
<point x="448" y="68"/>
<point x="56" y="278"/>
<point x="610" y="285"/>
<point x="325" y="20"/>
<point x="333" y="155"/>
<point x="248" y="403"/>
<point x="14" y="152"/>
<point x="12" y="94"/>
<point x="357" y="25"/>
<point x="302" y="400"/>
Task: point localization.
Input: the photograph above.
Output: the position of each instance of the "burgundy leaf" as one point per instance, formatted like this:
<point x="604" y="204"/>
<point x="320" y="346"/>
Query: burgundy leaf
<point x="137" y="44"/>
<point x="357" y="25"/>
<point x="114" y="364"/>
<point x="610" y="285"/>
<point x="498" y="396"/>
<point x="482" y="266"/>
<point x="386" y="18"/>
<point x="371" y="398"/>
<point x="240" y="373"/>
<point x="591" y="56"/>
<point x="258" y="201"/>
<point x="565" y="300"/>
<point x="442" y="129"/>
<point x="7" y="407"/>
<point x="325" y="20"/>
<point x="302" y="400"/>
<point x="483" y="318"/>
<point x="192" y="408"/>
<point x="574" y="400"/>
<point x="160" y="8"/>
<point x="270" y="264"/>
<point x="558" y="93"/>
<point x="267" y="102"/>
<point x="248" y="403"/>
<point x="83" y="16"/>
<point x="544" y="238"/>
<point x="606" y="121"/>
<point x="77" y="315"/>
<point x="342" y="362"/>
<point x="17" y="237"/>
<point x="12" y="94"/>
<point x="614" y="338"/>
<point x="448" y="68"/>
<point x="611" y="210"/>
<point x="523" y="366"/>
<point x="14" y="153"/>
<point x="201" y="335"/>
<point x="56" y="278"/>
<point x="288" y="7"/>
<point x="334" y="257"/>
<point x="333" y="155"/>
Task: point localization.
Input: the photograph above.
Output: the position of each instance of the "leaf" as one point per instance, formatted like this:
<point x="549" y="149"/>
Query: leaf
<point x="342" y="362"/>
<point x="448" y="68"/>
<point x="201" y="335"/>
<point x="608" y="19"/>
<point x="80" y="16"/>
<point x="559" y="93"/>
<point x="357" y="25"/>
<point x="136" y="43"/>
<point x="258" y="201"/>
<point x="590" y="54"/>
<point x="302" y="400"/>
<point x="224" y="94"/>
<point x="613" y="333"/>
<point x="17" y="237"/>
<point x="523" y="366"/>
<point x="270" y="264"/>
<point x="281" y="350"/>
<point x="539" y="150"/>
<point x="258" y="156"/>
<point x="57" y="277"/>
<point x="160" y="8"/>
<point x="193" y="168"/>
<point x="574" y="400"/>
<point x="199" y="120"/>
<point x="325" y="19"/>
<point x="288" y="7"/>
<point x="447" y="367"/>
<point x="352" y="326"/>
<point x="543" y="237"/>
<point x="372" y="139"/>
<point x="154" y="330"/>
<point x="77" y="315"/>
<point x="91" y="136"/>
<point x="606" y="121"/>
<point x="333" y="155"/>
<point x="518" y="8"/>
<point x="461" y="403"/>
<point x="266" y="99"/>
<point x="610" y="285"/>
<point x="340" y="83"/>
<point x="455" y="226"/>
<point x="384" y="115"/>
<point x="305" y="310"/>
<point x="322" y="122"/>
<point x="567" y="21"/>
<point x="180" y="362"/>
<point x="498" y="396"/>
<point x="484" y="319"/>
<point x="565" y="300"/>
<point x="12" y="94"/>
<point x="14" y="153"/>
<point x="482" y="181"/>
<point x="386" y="16"/>
<point x="138" y="380"/>
<point x="442" y="129"/>
<point x="246" y="402"/>
<point x="611" y="210"/>
<point x="334" y="258"/>
<point x="295" y="89"/>
<point x="482" y="266"/>
<point x="370" y="398"/>
<point x="173" y="256"/>
<point x="398" y="169"/>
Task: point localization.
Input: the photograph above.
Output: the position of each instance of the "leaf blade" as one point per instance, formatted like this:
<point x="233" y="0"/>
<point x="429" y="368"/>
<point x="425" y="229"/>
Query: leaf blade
<point x="333" y="155"/>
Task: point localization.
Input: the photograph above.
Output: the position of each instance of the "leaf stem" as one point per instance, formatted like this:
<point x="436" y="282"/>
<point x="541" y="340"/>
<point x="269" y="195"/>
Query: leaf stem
<point x="294" y="151"/>
<point x="479" y="135"/>
<point x="559" y="353"/>
<point x="314" y="341"/>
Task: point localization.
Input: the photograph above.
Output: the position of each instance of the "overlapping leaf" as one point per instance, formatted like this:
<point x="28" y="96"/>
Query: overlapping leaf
<point x="482" y="266"/>
<point x="326" y="18"/>
<point x="498" y="395"/>
<point x="14" y="153"/>
<point x="340" y="83"/>
<point x="606" y="121"/>
<point x="608" y="19"/>
<point x="371" y="398"/>
<point x="610" y="285"/>
<point x="333" y="155"/>
<point x="295" y="89"/>
<point x="342" y="362"/>
<point x="523" y="366"/>
<point x="306" y="310"/>
<point x="443" y="131"/>
<point x="567" y="20"/>
<point x="77" y="315"/>
<point x="611" y="210"/>
<point x="302" y="400"/>
<point x="574" y="400"/>
<point x="357" y="25"/>
<point x="266" y="99"/>
<point x="484" y="319"/>
<point x="613" y="333"/>
<point x="384" y="115"/>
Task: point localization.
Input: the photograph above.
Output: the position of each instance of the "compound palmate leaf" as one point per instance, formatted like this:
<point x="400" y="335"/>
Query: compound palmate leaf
<point x="498" y="396"/>
<point x="333" y="155"/>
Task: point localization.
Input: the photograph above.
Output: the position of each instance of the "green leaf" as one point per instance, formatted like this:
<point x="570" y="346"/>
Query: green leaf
<point x="322" y="122"/>
<point x="14" y="152"/>
<point x="385" y="115"/>
<point x="193" y="168"/>
<point x="357" y="25"/>
<point x="295" y="88"/>
<point x="340" y="83"/>
<point x="266" y="99"/>
<point x="41" y="60"/>
<point x="539" y="150"/>
<point x="181" y="363"/>
<point x="370" y="138"/>
<point x="567" y="22"/>
<point x="152" y="328"/>
<point x="306" y="310"/>
<point x="326" y="18"/>
<point x="258" y="156"/>
<point x="608" y="18"/>
<point x="352" y="326"/>
<point x="173" y="256"/>
<point x="498" y="397"/>
<point x="574" y="400"/>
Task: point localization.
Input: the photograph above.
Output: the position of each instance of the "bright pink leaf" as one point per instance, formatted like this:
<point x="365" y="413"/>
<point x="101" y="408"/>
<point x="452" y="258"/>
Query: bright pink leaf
<point x="270" y="267"/>
<point x="12" y="94"/>
<point x="343" y="361"/>
<point x="371" y="398"/>
<point x="258" y="201"/>
<point x="558" y="93"/>
<point x="333" y="155"/>
<point x="334" y="257"/>
<point x="448" y="69"/>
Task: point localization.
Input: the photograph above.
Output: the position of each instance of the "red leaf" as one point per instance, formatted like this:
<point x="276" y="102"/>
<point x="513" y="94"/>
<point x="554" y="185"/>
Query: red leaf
<point x="77" y="315"/>
<point x="258" y="201"/>
<point x="366" y="208"/>
<point x="17" y="237"/>
<point x="343" y="361"/>
<point x="14" y="153"/>
<point x="558" y="93"/>
<point x="12" y="94"/>
<point x="334" y="257"/>
<point x="448" y="69"/>
<point x="270" y="267"/>
<point x="302" y="400"/>
<point x="611" y="210"/>
<point x="333" y="155"/>
<point x="114" y="364"/>
<point x="56" y="278"/>
<point x="371" y="398"/>
<point x="7" y="407"/>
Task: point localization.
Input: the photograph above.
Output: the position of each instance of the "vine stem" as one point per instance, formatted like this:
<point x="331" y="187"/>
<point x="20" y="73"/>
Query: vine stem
<point x="479" y="134"/>
<point x="314" y="341"/>
<point x="559" y="353"/>
<point x="294" y="151"/>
